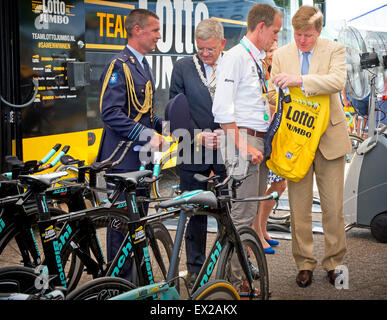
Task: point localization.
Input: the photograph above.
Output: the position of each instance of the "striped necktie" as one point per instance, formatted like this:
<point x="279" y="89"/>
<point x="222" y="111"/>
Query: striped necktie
<point x="212" y="82"/>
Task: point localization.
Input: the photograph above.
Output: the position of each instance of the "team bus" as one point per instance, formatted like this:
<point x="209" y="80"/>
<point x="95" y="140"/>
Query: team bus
<point x="65" y="44"/>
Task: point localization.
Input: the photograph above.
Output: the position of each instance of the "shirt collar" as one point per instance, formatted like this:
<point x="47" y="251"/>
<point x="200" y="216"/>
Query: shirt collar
<point x="311" y="52"/>
<point x="139" y="56"/>
<point x="257" y="54"/>
<point x="216" y="63"/>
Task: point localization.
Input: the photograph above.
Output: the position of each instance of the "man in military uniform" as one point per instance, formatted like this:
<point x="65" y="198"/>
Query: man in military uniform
<point x="126" y="102"/>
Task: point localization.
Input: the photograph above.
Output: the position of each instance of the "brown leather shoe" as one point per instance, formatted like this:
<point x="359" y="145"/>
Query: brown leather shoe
<point x="332" y="276"/>
<point x="304" y="278"/>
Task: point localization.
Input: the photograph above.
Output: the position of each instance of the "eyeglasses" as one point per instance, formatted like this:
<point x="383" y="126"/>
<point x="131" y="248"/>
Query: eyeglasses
<point x="209" y="50"/>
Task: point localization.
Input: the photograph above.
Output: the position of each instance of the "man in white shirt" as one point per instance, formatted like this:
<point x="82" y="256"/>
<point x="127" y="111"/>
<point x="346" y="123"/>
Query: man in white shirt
<point x="242" y="109"/>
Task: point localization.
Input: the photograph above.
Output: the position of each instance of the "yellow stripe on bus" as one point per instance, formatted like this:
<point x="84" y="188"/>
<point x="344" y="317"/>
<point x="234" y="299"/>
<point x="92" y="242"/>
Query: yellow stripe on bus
<point x="104" y="46"/>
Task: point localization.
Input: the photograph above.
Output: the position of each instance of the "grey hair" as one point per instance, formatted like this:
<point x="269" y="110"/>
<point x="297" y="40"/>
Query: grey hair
<point x="209" y="28"/>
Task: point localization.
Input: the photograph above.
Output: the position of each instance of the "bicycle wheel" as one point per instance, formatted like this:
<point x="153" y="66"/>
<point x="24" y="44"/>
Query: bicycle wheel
<point x="256" y="259"/>
<point x="91" y="238"/>
<point x="22" y="280"/>
<point x="165" y="246"/>
<point x="101" y="289"/>
<point x="355" y="141"/>
<point x="97" y="245"/>
<point x="216" y="290"/>
<point x="169" y="184"/>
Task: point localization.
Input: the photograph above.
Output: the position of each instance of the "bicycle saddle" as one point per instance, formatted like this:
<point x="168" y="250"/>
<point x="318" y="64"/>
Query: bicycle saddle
<point x="45" y="179"/>
<point x="128" y="178"/>
<point x="200" y="197"/>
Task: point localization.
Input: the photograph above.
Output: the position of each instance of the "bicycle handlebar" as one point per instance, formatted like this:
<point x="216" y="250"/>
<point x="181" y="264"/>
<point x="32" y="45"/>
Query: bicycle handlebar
<point x="230" y="176"/>
<point x="33" y="166"/>
<point x="56" y="160"/>
<point x="50" y="154"/>
<point x="271" y="196"/>
<point x="119" y="146"/>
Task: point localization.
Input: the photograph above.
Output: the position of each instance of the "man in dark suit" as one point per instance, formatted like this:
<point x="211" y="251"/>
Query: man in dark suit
<point x="127" y="110"/>
<point x="195" y="77"/>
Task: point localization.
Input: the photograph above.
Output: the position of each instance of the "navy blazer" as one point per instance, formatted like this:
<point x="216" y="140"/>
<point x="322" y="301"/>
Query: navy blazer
<point x="185" y="79"/>
<point x="114" y="114"/>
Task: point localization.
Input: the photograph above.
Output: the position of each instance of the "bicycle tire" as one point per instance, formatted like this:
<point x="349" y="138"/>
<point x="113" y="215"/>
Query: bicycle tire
<point x="355" y="142"/>
<point x="171" y="178"/>
<point x="17" y="279"/>
<point x="256" y="258"/>
<point x="216" y="290"/>
<point x="163" y="237"/>
<point x="101" y="289"/>
<point x="101" y="222"/>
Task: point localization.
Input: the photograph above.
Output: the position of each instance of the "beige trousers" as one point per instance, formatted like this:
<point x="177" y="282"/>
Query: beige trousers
<point x="330" y="182"/>
<point x="244" y="213"/>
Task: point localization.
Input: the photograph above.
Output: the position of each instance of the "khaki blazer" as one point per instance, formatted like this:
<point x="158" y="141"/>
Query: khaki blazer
<point x="327" y="75"/>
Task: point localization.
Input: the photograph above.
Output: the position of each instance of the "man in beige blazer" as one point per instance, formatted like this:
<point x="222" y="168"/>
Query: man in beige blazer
<point x="318" y="67"/>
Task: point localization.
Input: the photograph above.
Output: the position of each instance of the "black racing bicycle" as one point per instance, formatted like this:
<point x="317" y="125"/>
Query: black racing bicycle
<point x="81" y="231"/>
<point x="244" y="243"/>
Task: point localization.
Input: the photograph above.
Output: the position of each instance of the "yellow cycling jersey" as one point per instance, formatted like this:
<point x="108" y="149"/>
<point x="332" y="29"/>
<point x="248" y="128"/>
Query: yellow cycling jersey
<point x="303" y="121"/>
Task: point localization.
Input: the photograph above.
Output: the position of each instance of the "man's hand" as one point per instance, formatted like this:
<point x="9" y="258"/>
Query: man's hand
<point x="233" y="133"/>
<point x="284" y="80"/>
<point x="256" y="155"/>
<point x="211" y="140"/>
<point x="157" y="143"/>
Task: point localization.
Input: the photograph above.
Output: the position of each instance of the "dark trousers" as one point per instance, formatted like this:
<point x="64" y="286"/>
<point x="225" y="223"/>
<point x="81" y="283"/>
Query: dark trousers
<point x="196" y="233"/>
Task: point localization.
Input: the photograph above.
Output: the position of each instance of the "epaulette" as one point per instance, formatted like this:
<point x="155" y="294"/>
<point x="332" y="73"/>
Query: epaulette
<point x="122" y="56"/>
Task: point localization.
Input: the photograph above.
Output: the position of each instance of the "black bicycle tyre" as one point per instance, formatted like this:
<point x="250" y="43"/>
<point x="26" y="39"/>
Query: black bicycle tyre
<point x="162" y="234"/>
<point x="17" y="279"/>
<point x="104" y="220"/>
<point x="101" y="289"/>
<point x="248" y="237"/>
<point x="216" y="290"/>
<point x="172" y="171"/>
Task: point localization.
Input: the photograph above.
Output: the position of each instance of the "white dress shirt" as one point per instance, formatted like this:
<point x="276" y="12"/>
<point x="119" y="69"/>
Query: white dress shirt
<point x="238" y="97"/>
<point x="209" y="69"/>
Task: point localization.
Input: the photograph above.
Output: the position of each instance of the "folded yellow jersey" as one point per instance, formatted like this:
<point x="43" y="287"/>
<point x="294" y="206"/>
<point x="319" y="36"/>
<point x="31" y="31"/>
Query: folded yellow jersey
<point x="294" y="145"/>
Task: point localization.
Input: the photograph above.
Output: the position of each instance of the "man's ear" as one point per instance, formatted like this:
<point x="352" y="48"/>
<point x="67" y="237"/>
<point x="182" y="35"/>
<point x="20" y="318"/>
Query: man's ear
<point x="223" y="43"/>
<point x="136" y="29"/>
<point x="260" y="26"/>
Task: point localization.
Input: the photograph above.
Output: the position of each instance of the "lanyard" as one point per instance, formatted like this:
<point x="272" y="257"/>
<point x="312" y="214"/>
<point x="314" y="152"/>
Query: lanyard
<point x="261" y="75"/>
